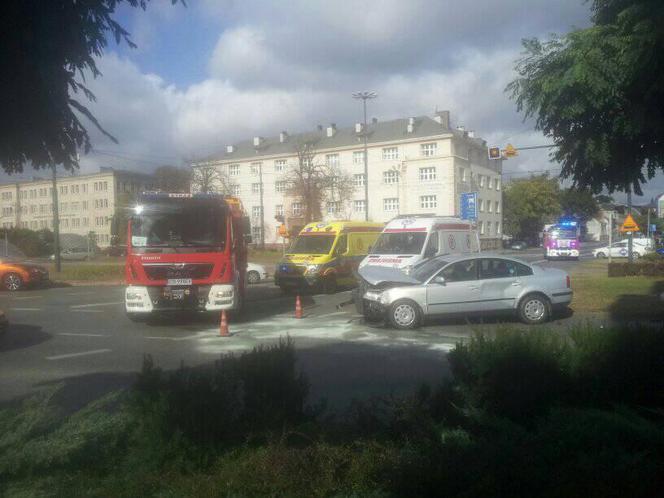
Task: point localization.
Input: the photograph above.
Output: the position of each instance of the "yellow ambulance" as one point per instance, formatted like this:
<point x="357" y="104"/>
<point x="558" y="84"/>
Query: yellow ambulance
<point x="324" y="256"/>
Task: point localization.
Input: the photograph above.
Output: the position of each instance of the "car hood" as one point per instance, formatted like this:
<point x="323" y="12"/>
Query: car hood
<point x="382" y="276"/>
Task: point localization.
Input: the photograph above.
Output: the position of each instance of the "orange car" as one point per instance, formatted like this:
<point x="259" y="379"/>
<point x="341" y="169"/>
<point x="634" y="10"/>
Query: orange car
<point x="16" y="275"/>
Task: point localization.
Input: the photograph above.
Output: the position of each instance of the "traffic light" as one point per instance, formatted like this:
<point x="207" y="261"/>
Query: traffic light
<point x="494" y="153"/>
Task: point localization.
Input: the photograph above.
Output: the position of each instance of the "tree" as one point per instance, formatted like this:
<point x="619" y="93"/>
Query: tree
<point x="172" y="179"/>
<point x="528" y="204"/>
<point x="48" y="49"/>
<point x="598" y="93"/>
<point x="579" y="203"/>
<point x="313" y="183"/>
<point x="207" y="178"/>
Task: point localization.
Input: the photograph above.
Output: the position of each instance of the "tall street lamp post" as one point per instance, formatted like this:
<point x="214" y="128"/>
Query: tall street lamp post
<point x="365" y="96"/>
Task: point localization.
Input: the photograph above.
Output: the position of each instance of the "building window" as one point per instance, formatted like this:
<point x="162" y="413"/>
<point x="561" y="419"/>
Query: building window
<point x="391" y="204"/>
<point x="233" y="170"/>
<point x="489" y="207"/>
<point x="481" y="203"/>
<point x="390" y="153"/>
<point x="427" y="174"/>
<point x="489" y="183"/>
<point x="256" y="233"/>
<point x="497" y="183"/>
<point x="488" y="228"/>
<point x="256" y="211"/>
<point x="85" y="188"/>
<point x="279" y="165"/>
<point x="497" y="207"/>
<point x="332" y="207"/>
<point x="428" y="201"/>
<point x="359" y="206"/>
<point x="84" y="204"/>
<point x="358" y="157"/>
<point x="85" y="222"/>
<point x="296" y="207"/>
<point x="429" y="150"/>
<point x="280" y="187"/>
<point x="482" y="178"/>
<point x="235" y="190"/>
<point x="332" y="159"/>
<point x="390" y="176"/>
<point x="497" y="227"/>
<point x="279" y="210"/>
<point x="481" y="227"/>
<point x="255" y="188"/>
<point x="255" y="169"/>
<point x="358" y="180"/>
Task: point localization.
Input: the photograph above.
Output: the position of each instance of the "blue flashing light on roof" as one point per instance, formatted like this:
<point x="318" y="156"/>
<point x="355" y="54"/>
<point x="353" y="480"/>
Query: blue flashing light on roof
<point x="567" y="224"/>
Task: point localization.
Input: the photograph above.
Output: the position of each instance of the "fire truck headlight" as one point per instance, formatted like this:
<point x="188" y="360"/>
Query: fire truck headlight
<point x="226" y="293"/>
<point x="313" y="269"/>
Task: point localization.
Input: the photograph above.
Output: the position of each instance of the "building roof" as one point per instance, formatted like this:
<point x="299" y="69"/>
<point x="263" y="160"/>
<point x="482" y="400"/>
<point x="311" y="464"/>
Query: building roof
<point x="103" y="170"/>
<point x="378" y="132"/>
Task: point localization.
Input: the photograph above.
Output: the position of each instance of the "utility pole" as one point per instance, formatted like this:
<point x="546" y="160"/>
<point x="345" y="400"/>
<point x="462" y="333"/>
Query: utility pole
<point x="365" y="96"/>
<point x="630" y="242"/>
<point x="260" y="179"/>
<point x="610" y="232"/>
<point x="56" y="223"/>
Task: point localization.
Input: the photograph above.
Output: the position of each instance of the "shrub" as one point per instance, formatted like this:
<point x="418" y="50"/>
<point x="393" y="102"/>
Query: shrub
<point x="651" y="268"/>
<point x="239" y="397"/>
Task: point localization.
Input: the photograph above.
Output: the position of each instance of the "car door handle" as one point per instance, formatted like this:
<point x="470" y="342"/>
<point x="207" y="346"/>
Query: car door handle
<point x="516" y="284"/>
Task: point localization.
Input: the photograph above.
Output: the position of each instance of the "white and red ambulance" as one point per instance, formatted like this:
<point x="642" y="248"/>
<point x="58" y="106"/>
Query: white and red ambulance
<point x="407" y="240"/>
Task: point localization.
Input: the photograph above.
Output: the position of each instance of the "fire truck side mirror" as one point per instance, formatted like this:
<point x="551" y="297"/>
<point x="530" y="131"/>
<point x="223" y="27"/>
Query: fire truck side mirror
<point x="246" y="229"/>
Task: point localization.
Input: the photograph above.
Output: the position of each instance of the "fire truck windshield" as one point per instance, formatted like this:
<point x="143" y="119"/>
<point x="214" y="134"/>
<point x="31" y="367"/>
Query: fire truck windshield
<point x="179" y="223"/>
<point x="564" y="233"/>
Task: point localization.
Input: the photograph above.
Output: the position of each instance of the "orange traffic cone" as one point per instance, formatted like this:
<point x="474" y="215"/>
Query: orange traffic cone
<point x="223" y="325"/>
<point x="298" y="307"/>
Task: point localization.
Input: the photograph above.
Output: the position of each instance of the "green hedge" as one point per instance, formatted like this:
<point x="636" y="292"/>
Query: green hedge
<point x="636" y="269"/>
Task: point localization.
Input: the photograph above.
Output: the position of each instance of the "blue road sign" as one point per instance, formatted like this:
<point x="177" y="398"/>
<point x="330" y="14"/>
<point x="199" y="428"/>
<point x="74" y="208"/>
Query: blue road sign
<point x="653" y="228"/>
<point x="469" y="206"/>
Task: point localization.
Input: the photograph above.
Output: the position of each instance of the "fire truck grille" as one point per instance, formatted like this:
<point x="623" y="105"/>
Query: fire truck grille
<point x="188" y="270"/>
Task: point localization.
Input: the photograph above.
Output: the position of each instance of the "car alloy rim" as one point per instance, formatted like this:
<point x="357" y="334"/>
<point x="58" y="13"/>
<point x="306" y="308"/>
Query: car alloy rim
<point x="534" y="309"/>
<point x="404" y="314"/>
<point x="253" y="277"/>
<point x="13" y="282"/>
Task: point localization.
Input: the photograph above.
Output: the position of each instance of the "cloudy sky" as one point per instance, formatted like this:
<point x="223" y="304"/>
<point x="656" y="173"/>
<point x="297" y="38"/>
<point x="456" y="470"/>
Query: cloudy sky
<point x="217" y="71"/>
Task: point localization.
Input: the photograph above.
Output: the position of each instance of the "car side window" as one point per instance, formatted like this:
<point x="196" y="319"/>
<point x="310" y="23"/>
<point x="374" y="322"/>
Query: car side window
<point x="432" y="245"/>
<point x="462" y="271"/>
<point x="497" y="268"/>
<point x="342" y="245"/>
<point x="523" y="270"/>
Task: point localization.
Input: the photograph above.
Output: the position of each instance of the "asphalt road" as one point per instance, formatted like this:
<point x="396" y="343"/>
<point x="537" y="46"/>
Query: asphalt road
<point x="79" y="337"/>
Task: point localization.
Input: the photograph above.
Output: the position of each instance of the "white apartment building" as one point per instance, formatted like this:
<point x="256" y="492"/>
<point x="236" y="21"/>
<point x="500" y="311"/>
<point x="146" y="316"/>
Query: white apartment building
<point x="416" y="165"/>
<point x="87" y="203"/>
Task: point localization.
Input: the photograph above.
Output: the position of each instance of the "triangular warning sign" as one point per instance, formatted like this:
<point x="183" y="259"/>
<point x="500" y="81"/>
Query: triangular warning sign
<point x="629" y="225"/>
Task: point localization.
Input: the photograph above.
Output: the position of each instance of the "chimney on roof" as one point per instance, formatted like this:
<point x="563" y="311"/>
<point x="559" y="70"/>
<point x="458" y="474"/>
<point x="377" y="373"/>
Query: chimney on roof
<point x="283" y="136"/>
<point x="230" y="149"/>
<point x="443" y="118"/>
<point x="461" y="128"/>
<point x="374" y="120"/>
<point x="471" y="134"/>
<point x="358" y="127"/>
<point x="331" y="130"/>
<point x="411" y="125"/>
<point x="258" y="141"/>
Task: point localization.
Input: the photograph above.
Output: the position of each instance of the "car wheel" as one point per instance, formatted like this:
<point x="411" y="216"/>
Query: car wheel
<point x="12" y="281"/>
<point x="600" y="255"/>
<point x="329" y="285"/>
<point x="405" y="314"/>
<point x="253" y="277"/>
<point x="534" y="308"/>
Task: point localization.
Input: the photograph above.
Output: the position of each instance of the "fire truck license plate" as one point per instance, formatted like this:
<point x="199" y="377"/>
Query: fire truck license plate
<point x="179" y="281"/>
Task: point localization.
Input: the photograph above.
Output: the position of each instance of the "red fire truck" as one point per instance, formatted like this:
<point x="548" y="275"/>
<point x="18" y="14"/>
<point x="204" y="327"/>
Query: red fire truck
<point x="185" y="252"/>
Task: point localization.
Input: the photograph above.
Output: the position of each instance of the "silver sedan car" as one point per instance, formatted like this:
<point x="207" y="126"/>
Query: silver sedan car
<point x="463" y="284"/>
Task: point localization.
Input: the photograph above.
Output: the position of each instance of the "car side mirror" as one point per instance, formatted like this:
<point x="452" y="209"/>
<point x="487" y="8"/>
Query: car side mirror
<point x="439" y="280"/>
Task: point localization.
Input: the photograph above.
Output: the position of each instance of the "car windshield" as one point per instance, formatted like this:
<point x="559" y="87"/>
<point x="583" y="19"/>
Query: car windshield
<point x="399" y="243"/>
<point x="179" y="223"/>
<point x="426" y="269"/>
<point x="312" y="244"/>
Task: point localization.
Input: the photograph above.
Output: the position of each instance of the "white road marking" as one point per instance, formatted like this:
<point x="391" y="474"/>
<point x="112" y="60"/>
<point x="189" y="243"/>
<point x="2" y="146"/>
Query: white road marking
<point x="25" y="309"/>
<point x="185" y="338"/>
<point x="78" y="306"/>
<point x="86" y="311"/>
<point x="74" y="355"/>
<point x="27" y="297"/>
<point x="83" y="335"/>
<point x="331" y="314"/>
